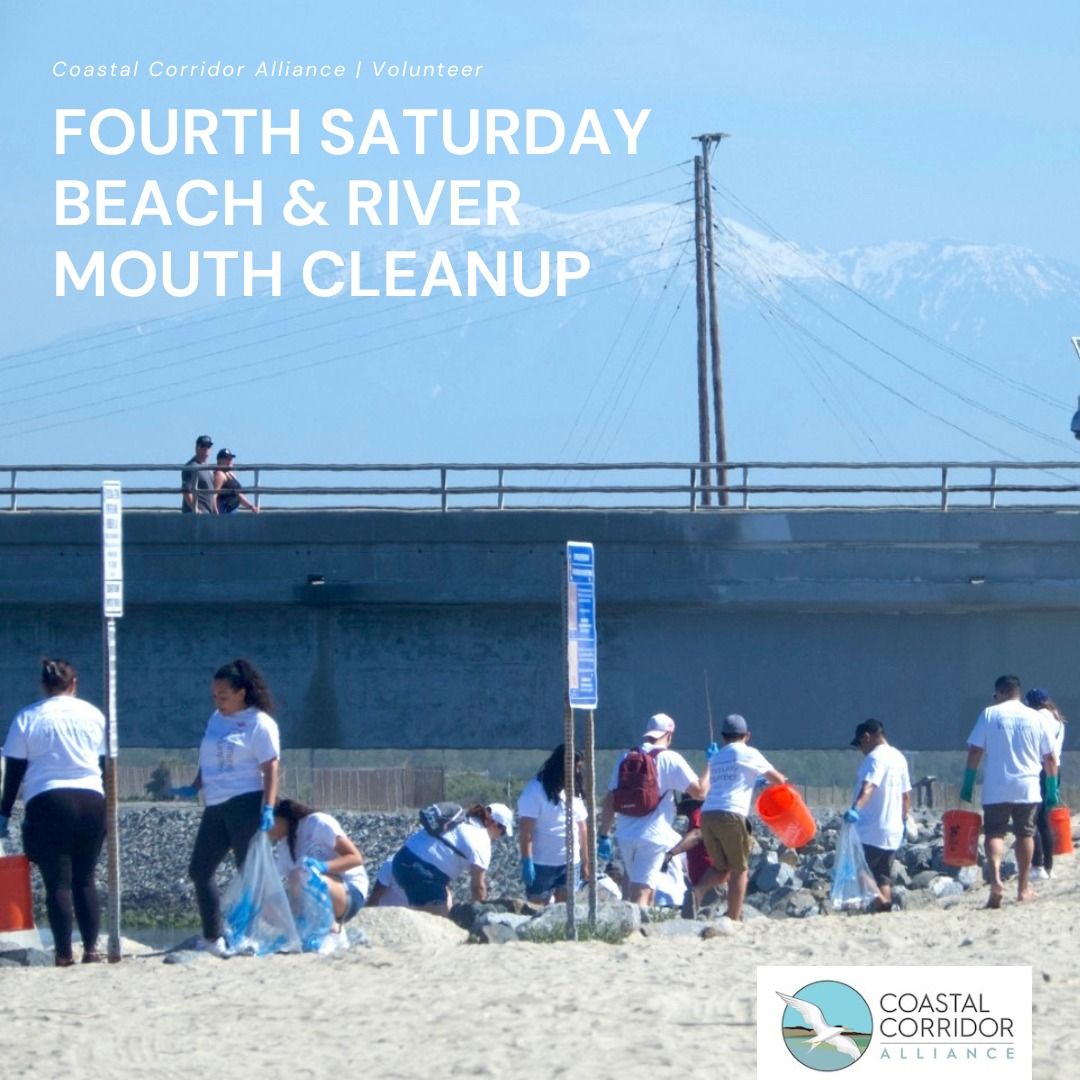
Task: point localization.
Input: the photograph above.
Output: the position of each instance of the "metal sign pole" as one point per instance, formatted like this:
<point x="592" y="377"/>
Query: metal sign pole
<point x="579" y="592"/>
<point x="590" y="799"/>
<point x="112" y="565"/>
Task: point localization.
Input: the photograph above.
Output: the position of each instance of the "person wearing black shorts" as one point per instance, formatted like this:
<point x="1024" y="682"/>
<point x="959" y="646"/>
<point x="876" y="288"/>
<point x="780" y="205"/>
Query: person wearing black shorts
<point x="54" y="749"/>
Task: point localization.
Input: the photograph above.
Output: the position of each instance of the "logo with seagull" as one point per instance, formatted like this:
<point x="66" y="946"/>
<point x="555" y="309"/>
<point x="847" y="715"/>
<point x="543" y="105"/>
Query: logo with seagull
<point x="826" y="1025"/>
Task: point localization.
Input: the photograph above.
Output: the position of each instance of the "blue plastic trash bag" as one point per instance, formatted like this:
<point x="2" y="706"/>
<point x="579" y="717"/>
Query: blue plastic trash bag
<point x="312" y="907"/>
<point x="258" y="919"/>
<point x="853" y="886"/>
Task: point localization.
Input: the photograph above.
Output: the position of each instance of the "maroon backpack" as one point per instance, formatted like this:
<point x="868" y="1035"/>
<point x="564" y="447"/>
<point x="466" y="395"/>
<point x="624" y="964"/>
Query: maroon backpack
<point x="637" y="792"/>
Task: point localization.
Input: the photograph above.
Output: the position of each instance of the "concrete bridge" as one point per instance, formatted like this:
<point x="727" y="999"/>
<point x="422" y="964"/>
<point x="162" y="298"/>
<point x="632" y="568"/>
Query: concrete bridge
<point x="425" y="629"/>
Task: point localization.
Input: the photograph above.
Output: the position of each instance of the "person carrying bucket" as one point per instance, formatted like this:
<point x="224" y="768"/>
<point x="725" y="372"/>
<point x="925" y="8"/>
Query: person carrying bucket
<point x="1012" y="743"/>
<point x="1043" y="862"/>
<point x="734" y="769"/>
<point x="881" y="805"/>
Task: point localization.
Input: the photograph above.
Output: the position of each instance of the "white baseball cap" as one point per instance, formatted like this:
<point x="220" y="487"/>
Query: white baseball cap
<point x="659" y="725"/>
<point x="502" y="813"/>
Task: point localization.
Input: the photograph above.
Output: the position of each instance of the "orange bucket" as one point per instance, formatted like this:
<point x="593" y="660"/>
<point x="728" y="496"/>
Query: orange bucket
<point x="785" y="814"/>
<point x="16" y="905"/>
<point x="962" y="829"/>
<point x="1060" y="819"/>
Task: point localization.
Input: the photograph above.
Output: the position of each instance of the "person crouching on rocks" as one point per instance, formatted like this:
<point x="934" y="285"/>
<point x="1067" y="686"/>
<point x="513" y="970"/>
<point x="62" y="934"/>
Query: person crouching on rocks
<point x="308" y="839"/>
<point x="426" y="865"/>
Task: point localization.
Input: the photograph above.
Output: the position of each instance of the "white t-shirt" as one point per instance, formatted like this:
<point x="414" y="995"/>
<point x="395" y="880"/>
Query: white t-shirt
<point x="1056" y="730"/>
<point x="732" y="774"/>
<point x="674" y="774"/>
<point x="316" y="837"/>
<point x="470" y="837"/>
<point x="881" y="820"/>
<point x="549" y="832"/>
<point x="231" y="752"/>
<point x="61" y="738"/>
<point x="1014" y="739"/>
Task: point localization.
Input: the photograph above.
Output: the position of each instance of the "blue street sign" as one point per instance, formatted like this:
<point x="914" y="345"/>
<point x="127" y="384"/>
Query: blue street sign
<point x="581" y="624"/>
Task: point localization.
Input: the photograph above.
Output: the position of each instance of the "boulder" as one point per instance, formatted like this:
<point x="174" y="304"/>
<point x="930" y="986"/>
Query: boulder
<point x="922" y="879"/>
<point x="802" y="904"/>
<point x="673" y="928"/>
<point x="618" y="918"/>
<point x="944" y="886"/>
<point x="917" y="858"/>
<point x="775" y="875"/>
<point x="493" y="933"/>
<point x="28" y="957"/>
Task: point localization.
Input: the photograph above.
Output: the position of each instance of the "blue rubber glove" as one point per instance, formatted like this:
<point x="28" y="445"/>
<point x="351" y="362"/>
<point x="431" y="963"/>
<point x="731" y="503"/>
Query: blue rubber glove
<point x="188" y="791"/>
<point x="4" y="833"/>
<point x="603" y="849"/>
<point x="711" y="751"/>
<point x="851" y="815"/>
<point x="315" y="864"/>
<point x="266" y="822"/>
<point x="1051" y="799"/>
<point x="967" y="789"/>
<point x="528" y="872"/>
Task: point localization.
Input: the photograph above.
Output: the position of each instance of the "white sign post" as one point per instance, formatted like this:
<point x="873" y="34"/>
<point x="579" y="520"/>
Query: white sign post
<point x="112" y="608"/>
<point x="580" y="594"/>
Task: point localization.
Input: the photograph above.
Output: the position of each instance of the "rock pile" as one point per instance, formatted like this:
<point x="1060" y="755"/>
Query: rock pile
<point x="156" y="842"/>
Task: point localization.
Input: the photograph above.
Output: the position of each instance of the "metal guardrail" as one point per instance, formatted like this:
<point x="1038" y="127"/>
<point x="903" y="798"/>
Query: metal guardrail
<point x="733" y="486"/>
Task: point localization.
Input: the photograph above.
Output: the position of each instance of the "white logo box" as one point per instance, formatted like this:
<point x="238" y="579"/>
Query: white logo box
<point x="927" y="1022"/>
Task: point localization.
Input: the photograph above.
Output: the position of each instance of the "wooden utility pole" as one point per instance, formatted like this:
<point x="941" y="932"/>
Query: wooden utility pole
<point x="707" y="143"/>
<point x="700" y="249"/>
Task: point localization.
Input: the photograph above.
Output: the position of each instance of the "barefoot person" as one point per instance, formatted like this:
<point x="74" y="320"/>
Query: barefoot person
<point x="1012" y="743"/>
<point x="54" y="749"/>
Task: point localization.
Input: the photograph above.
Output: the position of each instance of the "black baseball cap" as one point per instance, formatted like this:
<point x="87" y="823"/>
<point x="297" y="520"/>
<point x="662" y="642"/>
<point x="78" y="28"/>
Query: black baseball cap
<point x="225" y="452"/>
<point x="204" y="440"/>
<point x="867" y="727"/>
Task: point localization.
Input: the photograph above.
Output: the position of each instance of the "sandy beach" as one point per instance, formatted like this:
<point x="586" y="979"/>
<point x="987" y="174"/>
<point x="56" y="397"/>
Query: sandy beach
<point x="649" y="1007"/>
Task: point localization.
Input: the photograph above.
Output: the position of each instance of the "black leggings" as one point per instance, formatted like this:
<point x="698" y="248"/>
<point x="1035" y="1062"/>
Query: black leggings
<point x="63" y="833"/>
<point x="1044" y="838"/>
<point x="228" y="826"/>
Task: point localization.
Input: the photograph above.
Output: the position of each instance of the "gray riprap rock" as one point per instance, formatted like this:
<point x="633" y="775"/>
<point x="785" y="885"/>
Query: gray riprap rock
<point x="617" y="918"/>
<point x="802" y="904"/>
<point x="900" y="876"/>
<point x="968" y="876"/>
<point x="28" y="957"/>
<point x="496" y="934"/>
<point x="775" y="875"/>
<point x="673" y="928"/>
<point x="922" y="879"/>
<point x="503" y="918"/>
<point x="917" y="858"/>
<point x="944" y="886"/>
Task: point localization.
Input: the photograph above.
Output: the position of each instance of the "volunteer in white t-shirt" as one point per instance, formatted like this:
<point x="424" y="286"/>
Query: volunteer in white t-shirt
<point x="1012" y="743"/>
<point x="54" y="749"/>
<point x="238" y="778"/>
<point x="1042" y="863"/>
<point x="541" y="811"/>
<point x="881" y="803"/>
<point x="426" y="865"/>
<point x="734" y="769"/>
<point x="309" y="840"/>
<point x="644" y="841"/>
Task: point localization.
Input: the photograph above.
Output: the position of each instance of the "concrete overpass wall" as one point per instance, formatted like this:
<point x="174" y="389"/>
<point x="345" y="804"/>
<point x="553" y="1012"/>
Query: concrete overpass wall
<point x="443" y="630"/>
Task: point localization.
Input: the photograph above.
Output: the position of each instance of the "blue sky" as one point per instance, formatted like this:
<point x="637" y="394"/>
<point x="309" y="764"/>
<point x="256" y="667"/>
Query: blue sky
<point x="852" y="124"/>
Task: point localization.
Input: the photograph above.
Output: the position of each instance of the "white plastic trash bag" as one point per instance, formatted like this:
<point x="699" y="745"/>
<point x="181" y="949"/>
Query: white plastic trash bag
<point x="313" y="908"/>
<point x="853" y="886"/>
<point x="258" y="919"/>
